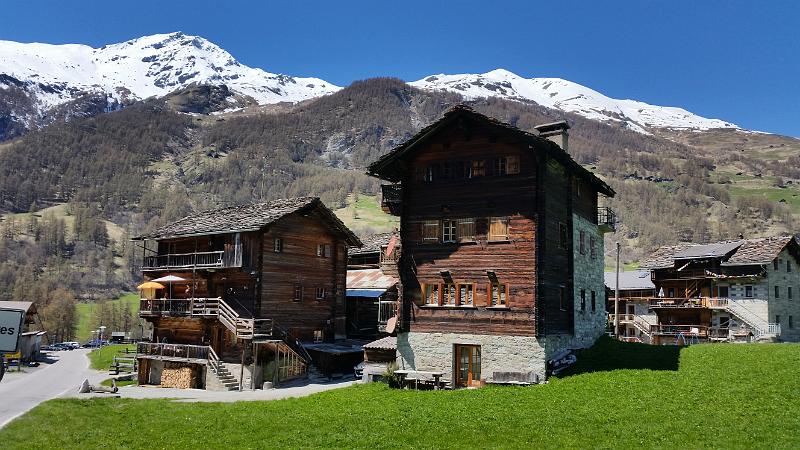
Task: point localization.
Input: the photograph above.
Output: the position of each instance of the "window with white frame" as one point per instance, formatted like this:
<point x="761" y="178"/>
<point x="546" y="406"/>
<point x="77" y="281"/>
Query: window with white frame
<point x="466" y="293"/>
<point x="278" y="245"/>
<point x="448" y="230"/>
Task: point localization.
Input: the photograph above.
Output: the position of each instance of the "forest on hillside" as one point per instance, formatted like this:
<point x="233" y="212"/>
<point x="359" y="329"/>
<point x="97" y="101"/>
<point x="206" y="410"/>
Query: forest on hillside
<point x="150" y="163"/>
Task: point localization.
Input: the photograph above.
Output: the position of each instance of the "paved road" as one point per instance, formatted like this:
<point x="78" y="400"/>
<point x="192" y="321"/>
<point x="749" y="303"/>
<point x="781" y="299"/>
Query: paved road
<point x="21" y="392"/>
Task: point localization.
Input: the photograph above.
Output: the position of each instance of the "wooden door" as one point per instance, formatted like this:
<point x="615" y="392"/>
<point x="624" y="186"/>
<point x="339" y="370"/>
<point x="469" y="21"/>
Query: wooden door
<point x="468" y="365"/>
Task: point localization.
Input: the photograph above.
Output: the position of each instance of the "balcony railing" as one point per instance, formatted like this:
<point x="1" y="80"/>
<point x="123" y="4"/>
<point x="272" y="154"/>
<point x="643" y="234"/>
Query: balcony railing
<point x="386" y="310"/>
<point x="700" y="331"/>
<point x="391" y="196"/>
<point x="606" y="219"/>
<point x="623" y="318"/>
<point x="179" y="352"/>
<point x="179" y="307"/>
<point x="675" y="302"/>
<point x="202" y="260"/>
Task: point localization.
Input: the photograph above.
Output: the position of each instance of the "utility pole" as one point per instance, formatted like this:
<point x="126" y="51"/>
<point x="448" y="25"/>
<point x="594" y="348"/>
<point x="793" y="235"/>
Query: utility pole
<point x="616" y="299"/>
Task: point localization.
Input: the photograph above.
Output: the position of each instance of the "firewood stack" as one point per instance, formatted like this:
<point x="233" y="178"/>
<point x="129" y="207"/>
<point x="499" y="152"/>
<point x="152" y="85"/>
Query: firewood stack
<point x="178" y="376"/>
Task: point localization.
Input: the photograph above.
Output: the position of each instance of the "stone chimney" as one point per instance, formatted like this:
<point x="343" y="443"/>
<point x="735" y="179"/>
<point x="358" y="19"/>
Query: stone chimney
<point x="556" y="132"/>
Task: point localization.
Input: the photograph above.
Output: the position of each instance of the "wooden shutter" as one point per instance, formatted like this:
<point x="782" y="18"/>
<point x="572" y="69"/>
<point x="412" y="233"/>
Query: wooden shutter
<point x="430" y="231"/>
<point x="498" y="229"/>
<point x="512" y="165"/>
<point x="466" y="230"/>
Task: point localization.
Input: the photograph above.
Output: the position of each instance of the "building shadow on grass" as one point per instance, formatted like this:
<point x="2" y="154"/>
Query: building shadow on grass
<point x="608" y="354"/>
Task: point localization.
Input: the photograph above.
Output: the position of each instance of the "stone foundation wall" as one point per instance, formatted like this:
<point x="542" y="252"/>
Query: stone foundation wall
<point x="434" y="352"/>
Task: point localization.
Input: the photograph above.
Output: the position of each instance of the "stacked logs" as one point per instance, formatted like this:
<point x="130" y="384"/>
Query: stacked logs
<point x="176" y="375"/>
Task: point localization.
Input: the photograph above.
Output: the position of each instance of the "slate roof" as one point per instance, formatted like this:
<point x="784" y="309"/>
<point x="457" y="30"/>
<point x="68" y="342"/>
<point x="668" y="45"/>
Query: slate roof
<point x="369" y="279"/>
<point x="630" y="281"/>
<point x="385" y="167"/>
<point x="745" y="252"/>
<point x="371" y="243"/>
<point x="385" y="343"/>
<point x="253" y="217"/>
<point x="759" y="251"/>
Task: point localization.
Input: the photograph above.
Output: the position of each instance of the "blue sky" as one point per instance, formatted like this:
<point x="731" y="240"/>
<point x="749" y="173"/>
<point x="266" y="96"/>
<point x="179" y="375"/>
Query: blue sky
<point x="735" y="60"/>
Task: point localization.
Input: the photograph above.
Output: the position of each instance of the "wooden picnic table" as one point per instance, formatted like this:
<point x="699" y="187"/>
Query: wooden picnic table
<point x="416" y="374"/>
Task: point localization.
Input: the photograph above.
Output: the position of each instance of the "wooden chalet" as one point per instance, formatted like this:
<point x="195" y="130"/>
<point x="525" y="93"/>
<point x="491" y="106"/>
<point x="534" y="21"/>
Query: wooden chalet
<point x="725" y="291"/>
<point x="233" y="293"/>
<point x="636" y="289"/>
<point x="502" y="262"/>
<point x="372" y="281"/>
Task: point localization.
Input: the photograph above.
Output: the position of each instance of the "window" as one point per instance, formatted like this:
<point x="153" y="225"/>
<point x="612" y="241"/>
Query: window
<point x="775" y="264"/>
<point x="298" y="293"/>
<point x="777" y="292"/>
<point x="447" y="170"/>
<point x="322" y="293"/>
<point x="583" y="299"/>
<point x="562" y="301"/>
<point x="724" y="322"/>
<point x="722" y="291"/>
<point x="465" y="168"/>
<point x="430" y="231"/>
<point x="448" y="230"/>
<point x="789" y="292"/>
<point x="499" y="292"/>
<point x="431" y="294"/>
<point x="512" y="165"/>
<point x="449" y="294"/>
<point x="500" y="166"/>
<point x="478" y="168"/>
<point x="466" y="230"/>
<point x="791" y="323"/>
<point x="583" y="242"/>
<point x="671" y="292"/>
<point x="592" y="245"/>
<point x="324" y="250"/>
<point x="778" y="319"/>
<point x="562" y="235"/>
<point x="465" y="294"/>
<point x="278" y="245"/>
<point x="788" y="266"/>
<point x="748" y="291"/>
<point x="594" y="301"/>
<point x="430" y="173"/>
<point x="498" y="229"/>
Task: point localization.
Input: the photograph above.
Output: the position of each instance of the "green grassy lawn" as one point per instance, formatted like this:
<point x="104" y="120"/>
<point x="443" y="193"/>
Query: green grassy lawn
<point x="85" y="310"/>
<point x="366" y="212"/>
<point x="101" y="358"/>
<point x="120" y="383"/>
<point x="618" y="395"/>
<point x="790" y="194"/>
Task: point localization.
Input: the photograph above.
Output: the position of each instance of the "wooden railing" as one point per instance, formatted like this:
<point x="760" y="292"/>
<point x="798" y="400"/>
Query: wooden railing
<point x="201" y="260"/>
<point x="165" y="306"/>
<point x="172" y="351"/>
<point x="243" y="328"/>
<point x="622" y="318"/>
<point x="606" y="218"/>
<point x="672" y="330"/>
<point x="386" y="310"/>
<point x="675" y="302"/>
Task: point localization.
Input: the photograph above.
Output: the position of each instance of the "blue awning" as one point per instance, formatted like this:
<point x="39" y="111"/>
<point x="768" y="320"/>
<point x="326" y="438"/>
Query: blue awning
<point x="370" y="293"/>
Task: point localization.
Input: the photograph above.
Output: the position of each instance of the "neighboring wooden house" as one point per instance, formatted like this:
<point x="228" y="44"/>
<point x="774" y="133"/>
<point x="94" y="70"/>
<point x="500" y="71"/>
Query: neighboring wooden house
<point x="241" y="287"/>
<point x="731" y="290"/>
<point x="502" y="262"/>
<point x="372" y="280"/>
<point x="635" y="315"/>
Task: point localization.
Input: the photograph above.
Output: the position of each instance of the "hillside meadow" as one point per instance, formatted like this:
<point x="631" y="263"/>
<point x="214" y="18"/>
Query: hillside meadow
<point x="618" y="395"/>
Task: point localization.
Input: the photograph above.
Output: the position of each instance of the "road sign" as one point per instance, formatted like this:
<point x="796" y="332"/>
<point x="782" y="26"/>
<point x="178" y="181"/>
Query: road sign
<point x="10" y="329"/>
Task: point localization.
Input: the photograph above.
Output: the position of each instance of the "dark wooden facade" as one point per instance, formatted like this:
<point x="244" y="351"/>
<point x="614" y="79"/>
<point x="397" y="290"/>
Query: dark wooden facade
<point x="290" y="271"/>
<point x="469" y="167"/>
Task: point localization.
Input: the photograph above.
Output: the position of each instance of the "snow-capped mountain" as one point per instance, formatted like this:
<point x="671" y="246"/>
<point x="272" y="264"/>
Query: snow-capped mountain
<point x="140" y="68"/>
<point x="570" y="97"/>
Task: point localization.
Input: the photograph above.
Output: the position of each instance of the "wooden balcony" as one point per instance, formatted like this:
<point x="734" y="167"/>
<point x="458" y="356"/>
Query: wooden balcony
<point x="606" y="219"/>
<point x="200" y="260"/>
<point x="179" y="307"/>
<point x="675" y="302"/>
<point x="391" y="197"/>
<point x="623" y="318"/>
<point x="173" y="352"/>
<point x="699" y="331"/>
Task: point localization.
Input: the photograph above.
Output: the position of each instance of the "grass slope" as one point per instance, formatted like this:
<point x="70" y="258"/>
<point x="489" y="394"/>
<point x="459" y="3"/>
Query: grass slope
<point x="619" y="395"/>
<point x="365" y="213"/>
<point x="101" y="358"/>
<point x="85" y="311"/>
